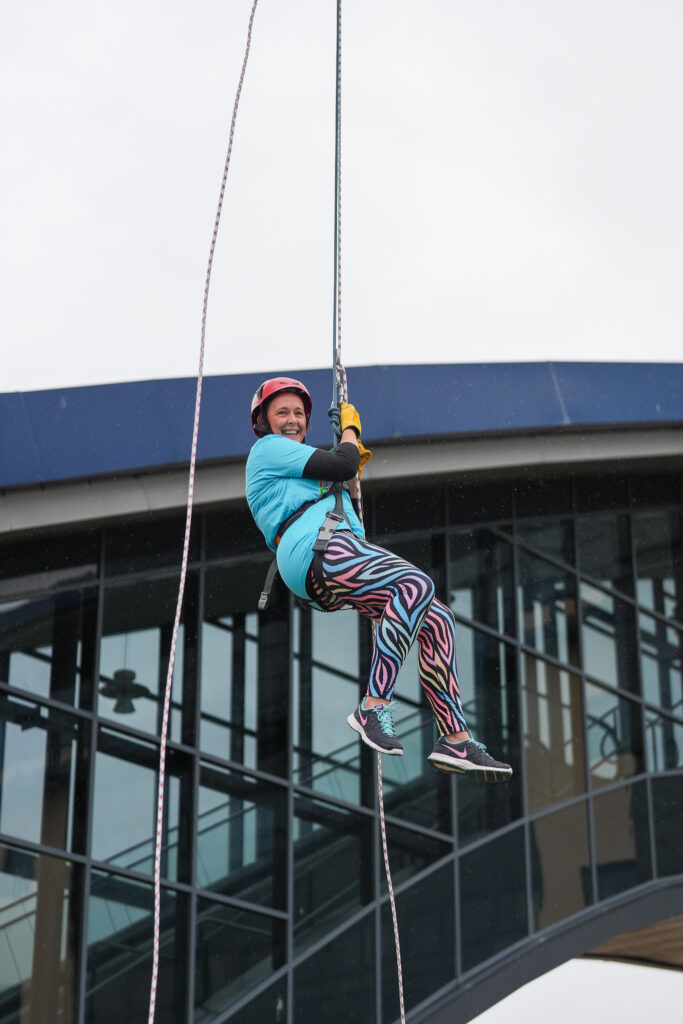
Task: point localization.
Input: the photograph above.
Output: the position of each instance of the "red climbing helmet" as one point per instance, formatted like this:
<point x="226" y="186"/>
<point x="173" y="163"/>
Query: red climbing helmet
<point x="268" y="390"/>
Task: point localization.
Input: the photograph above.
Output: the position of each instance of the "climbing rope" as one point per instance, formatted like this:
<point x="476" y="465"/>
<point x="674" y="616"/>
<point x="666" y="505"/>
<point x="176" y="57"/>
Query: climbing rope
<point x="340" y="393"/>
<point x="186" y="550"/>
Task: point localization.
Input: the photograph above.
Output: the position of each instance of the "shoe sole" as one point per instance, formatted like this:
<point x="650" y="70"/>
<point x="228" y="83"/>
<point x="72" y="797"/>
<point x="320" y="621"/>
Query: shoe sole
<point x="471" y="771"/>
<point x="357" y="727"/>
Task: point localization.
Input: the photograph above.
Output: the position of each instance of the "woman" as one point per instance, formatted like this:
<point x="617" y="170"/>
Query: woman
<point x="290" y="497"/>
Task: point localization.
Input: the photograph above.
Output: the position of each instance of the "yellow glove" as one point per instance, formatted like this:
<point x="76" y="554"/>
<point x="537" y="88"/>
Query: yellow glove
<point x="365" y="456"/>
<point x="349" y="417"/>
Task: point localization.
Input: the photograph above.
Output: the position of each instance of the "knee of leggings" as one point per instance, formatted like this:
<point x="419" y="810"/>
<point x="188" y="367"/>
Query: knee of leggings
<point x="429" y="588"/>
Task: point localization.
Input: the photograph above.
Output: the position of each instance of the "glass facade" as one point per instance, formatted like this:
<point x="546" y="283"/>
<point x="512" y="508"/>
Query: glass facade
<point x="568" y="599"/>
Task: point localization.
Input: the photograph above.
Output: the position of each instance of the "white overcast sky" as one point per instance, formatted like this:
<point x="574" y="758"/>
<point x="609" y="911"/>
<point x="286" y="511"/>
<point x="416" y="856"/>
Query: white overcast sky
<point x="512" y="184"/>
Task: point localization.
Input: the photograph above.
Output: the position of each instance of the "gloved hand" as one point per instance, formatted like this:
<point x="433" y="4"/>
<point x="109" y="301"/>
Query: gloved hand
<point x="365" y="456"/>
<point x="349" y="418"/>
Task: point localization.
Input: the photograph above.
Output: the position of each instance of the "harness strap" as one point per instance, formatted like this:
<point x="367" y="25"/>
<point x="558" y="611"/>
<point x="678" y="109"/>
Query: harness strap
<point x="326" y="532"/>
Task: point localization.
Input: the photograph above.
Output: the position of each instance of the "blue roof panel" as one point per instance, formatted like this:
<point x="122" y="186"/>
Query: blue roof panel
<point x="107" y="429"/>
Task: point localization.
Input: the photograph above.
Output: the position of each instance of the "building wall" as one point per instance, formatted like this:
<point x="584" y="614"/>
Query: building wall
<point x="567" y="596"/>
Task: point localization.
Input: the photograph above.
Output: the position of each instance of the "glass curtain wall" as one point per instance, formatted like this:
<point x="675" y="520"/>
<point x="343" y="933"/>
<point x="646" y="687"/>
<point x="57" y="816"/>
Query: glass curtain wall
<point x="567" y="596"/>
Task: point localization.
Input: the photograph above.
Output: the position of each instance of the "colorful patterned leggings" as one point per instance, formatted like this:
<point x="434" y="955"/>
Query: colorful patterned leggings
<point x="400" y="599"/>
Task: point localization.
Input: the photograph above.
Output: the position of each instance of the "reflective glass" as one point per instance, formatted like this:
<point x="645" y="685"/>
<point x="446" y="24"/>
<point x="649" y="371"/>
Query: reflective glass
<point x="427" y="942"/>
<point x="236" y="950"/>
<point x="488" y="677"/>
<point x="44" y="754"/>
<point x="418" y="508"/>
<point x="598" y="493"/>
<point x="46" y="644"/>
<point x="43" y="563"/>
<point x="659" y="561"/>
<point x="605" y="549"/>
<point x="325" y="691"/>
<point x="229" y="687"/>
<point x="119" y="952"/>
<point x="152" y="543"/>
<point x="124" y="829"/>
<point x="474" y="503"/>
<point x="413" y="791"/>
<point x="412" y="852"/>
<point x="661" y="648"/>
<point x="270" y="1005"/>
<point x="231" y="532"/>
<point x="622" y="839"/>
<point x="560" y="865"/>
<point x="553" y="734"/>
<point x="340" y="977"/>
<point x="481" y="582"/>
<point x="613" y="729"/>
<point x="663" y="742"/>
<point x="543" y="508"/>
<point x="241" y="834"/>
<point x="549" y="534"/>
<point x="493" y="913"/>
<point x="547" y="608"/>
<point x="667" y="799"/>
<point x="134" y="652"/>
<point x="333" y="857"/>
<point x="38" y="937"/>
<point x="245" y="670"/>
<point x="608" y="638"/>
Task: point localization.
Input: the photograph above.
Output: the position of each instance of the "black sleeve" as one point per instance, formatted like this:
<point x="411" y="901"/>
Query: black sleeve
<point x="341" y="464"/>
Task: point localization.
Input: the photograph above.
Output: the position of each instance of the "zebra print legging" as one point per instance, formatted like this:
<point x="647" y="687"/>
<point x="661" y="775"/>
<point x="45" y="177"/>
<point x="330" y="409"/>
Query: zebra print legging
<point x="400" y="599"/>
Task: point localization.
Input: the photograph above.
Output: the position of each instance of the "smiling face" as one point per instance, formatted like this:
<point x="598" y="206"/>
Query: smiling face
<point x="286" y="415"/>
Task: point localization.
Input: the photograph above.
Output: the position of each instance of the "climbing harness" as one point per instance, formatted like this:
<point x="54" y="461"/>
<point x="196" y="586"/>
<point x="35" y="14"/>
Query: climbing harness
<point x="186" y="550"/>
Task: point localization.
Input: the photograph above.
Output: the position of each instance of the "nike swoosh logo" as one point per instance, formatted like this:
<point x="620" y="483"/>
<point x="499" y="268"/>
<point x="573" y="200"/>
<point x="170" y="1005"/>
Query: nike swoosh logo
<point x="459" y="753"/>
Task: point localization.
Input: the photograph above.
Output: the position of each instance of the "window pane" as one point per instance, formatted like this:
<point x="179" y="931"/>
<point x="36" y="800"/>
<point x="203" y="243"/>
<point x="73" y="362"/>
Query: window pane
<point x="608" y="638"/>
<point x="154" y="543"/>
<point x="411" y="852"/>
<point x="42" y="647"/>
<point x="271" y="1005"/>
<point x="615" y="750"/>
<point x="332" y="867"/>
<point x="547" y="608"/>
<point x="560" y="861"/>
<point x="550" y="534"/>
<point x="124" y="829"/>
<point x="119" y="952"/>
<point x="346" y="969"/>
<point x="426" y="935"/>
<point x="38" y="937"/>
<point x="245" y="670"/>
<point x="412" y="789"/>
<point x="326" y="690"/>
<point x="241" y="833"/>
<point x="659" y="560"/>
<point x="660" y="661"/>
<point x="42" y="563"/>
<point x="236" y="950"/>
<point x="553" y="734"/>
<point x="134" y="654"/>
<point x="481" y="579"/>
<point x="43" y="774"/>
<point x="622" y="840"/>
<point x="493" y="911"/>
<point x="488" y="675"/>
<point x="416" y="508"/>
<point x="604" y="549"/>
<point x="664" y="742"/>
<point x="667" y="795"/>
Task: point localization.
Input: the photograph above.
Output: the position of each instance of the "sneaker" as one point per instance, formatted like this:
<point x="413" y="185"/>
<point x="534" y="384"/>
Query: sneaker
<point x="376" y="728"/>
<point x="467" y="757"/>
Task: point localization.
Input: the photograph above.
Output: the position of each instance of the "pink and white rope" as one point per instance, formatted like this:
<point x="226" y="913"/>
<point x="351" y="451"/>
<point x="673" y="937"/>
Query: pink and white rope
<point x="186" y="551"/>
<point x="343" y="391"/>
